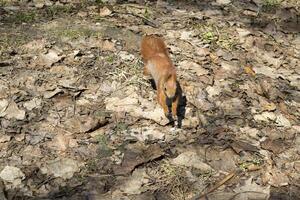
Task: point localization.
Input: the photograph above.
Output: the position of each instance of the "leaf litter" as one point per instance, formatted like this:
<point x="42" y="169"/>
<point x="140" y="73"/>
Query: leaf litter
<point x="79" y="121"/>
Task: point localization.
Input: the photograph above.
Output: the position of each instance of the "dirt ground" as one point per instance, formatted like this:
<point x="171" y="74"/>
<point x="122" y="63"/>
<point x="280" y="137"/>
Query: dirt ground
<point x="79" y="120"/>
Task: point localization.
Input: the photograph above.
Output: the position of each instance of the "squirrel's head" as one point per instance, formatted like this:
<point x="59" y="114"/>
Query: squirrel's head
<point x="170" y="86"/>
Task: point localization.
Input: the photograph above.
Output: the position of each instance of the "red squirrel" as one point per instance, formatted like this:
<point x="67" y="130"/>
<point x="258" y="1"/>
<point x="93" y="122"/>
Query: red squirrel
<point x="158" y="64"/>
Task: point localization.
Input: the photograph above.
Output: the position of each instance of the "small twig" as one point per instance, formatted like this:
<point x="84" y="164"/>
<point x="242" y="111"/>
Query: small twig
<point x="220" y="183"/>
<point x="147" y="21"/>
<point x="45" y="181"/>
<point x="59" y="117"/>
<point x="60" y="128"/>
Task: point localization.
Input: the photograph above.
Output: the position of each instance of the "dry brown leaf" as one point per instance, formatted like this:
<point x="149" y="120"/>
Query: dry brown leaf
<point x="249" y="70"/>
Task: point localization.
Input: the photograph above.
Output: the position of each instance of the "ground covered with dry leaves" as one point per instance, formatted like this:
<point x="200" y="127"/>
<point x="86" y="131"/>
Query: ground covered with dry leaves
<point x="79" y="121"/>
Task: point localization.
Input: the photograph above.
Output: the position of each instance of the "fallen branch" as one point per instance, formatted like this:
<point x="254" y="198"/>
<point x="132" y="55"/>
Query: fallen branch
<point x="219" y="184"/>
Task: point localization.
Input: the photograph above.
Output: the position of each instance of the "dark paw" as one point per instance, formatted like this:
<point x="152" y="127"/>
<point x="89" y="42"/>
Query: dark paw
<point x="179" y="121"/>
<point x="169" y="116"/>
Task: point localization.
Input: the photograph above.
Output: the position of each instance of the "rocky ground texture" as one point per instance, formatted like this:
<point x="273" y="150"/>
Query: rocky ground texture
<point x="79" y="121"/>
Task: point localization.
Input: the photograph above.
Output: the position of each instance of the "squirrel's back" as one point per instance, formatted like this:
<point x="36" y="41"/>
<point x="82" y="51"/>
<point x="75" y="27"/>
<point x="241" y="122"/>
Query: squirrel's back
<point x="152" y="45"/>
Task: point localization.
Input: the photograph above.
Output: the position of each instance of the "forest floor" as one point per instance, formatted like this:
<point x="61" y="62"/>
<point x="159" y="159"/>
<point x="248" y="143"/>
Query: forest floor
<point x="79" y="121"/>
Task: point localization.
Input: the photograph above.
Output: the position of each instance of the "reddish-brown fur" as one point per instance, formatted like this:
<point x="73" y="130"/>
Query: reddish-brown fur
<point x="158" y="64"/>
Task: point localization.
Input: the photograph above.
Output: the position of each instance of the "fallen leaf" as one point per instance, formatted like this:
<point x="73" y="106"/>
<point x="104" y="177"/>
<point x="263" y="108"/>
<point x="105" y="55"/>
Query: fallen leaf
<point x="282" y="121"/>
<point x="34" y="103"/>
<point x="4" y="138"/>
<point x="105" y="11"/>
<point x="186" y="35"/>
<point x="194" y="67"/>
<point x="42" y="3"/>
<point x="274" y="177"/>
<point x="201" y="101"/>
<point x="60" y="142"/>
<point x="214" y="58"/>
<point x="84" y="124"/>
<point x="250" y="190"/>
<point x="191" y="159"/>
<point x="62" y="69"/>
<point x="2" y="187"/>
<point x="223" y="2"/>
<point x="139" y="155"/>
<point x="224" y="161"/>
<point x="239" y="146"/>
<point x="213" y="91"/>
<point x="106" y="45"/>
<point x="12" y="111"/>
<point x="147" y="133"/>
<point x="49" y="58"/>
<point x="134" y="183"/>
<point x="64" y="168"/>
<point x="138" y="107"/>
<point x="50" y="94"/>
<point x="190" y="122"/>
<point x="35" y="137"/>
<point x="243" y="32"/>
<point x="12" y="175"/>
<point x="276" y="146"/>
<point x="265" y="116"/>
<point x="250" y="13"/>
<point x="232" y="107"/>
<point x="251" y="132"/>
<point x="126" y="56"/>
<point x="35" y="46"/>
<point x="3" y="107"/>
<point x="31" y="154"/>
<point x="269" y="107"/>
